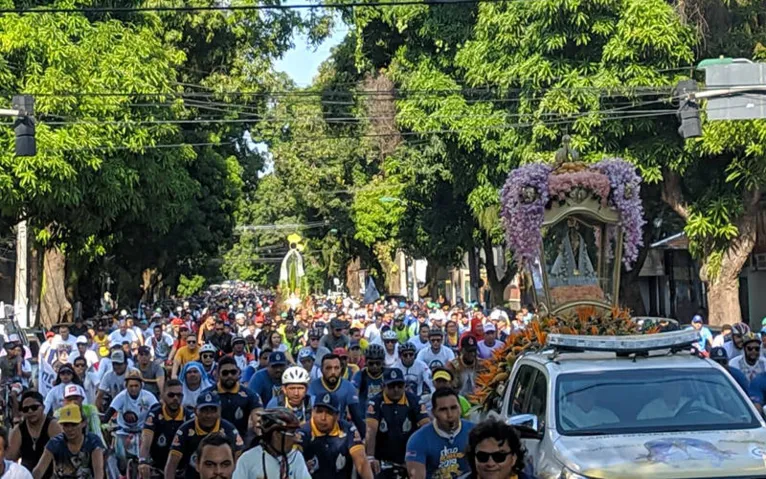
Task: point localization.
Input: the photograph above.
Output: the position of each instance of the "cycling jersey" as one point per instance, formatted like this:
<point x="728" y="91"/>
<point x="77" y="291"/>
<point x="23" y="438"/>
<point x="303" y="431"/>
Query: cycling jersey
<point x="302" y="412"/>
<point x="328" y="456"/>
<point x="417" y="377"/>
<point x="236" y="405"/>
<point x="164" y="426"/>
<point x="396" y="421"/>
<point x="188" y="437"/>
<point x="124" y="402"/>
<point x="264" y="386"/>
<point x="368" y="386"/>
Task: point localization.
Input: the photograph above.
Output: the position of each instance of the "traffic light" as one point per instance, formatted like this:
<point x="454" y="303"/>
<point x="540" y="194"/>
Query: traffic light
<point x="688" y="110"/>
<point x="24" y="126"/>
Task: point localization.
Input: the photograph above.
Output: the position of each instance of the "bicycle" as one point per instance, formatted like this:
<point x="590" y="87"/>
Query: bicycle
<point x="392" y="470"/>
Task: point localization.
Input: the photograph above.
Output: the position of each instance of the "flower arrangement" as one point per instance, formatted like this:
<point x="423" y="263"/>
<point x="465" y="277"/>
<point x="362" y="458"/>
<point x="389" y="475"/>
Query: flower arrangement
<point x="530" y="189"/>
<point x="587" y="321"/>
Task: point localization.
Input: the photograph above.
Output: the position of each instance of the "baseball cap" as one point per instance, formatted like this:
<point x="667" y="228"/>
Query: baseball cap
<point x="118" y="357"/>
<point x="718" y="354"/>
<point x="277" y="358"/>
<point x="70" y="414"/>
<point x="210" y="398"/>
<point x="697" y="319"/>
<point x="328" y="401"/>
<point x="489" y="327"/>
<point x="445" y="375"/>
<point x="237" y="340"/>
<point x="133" y="375"/>
<point x="82" y="340"/>
<point x="144" y="350"/>
<point x="13" y="338"/>
<point x="340" y="352"/>
<point x="66" y="367"/>
<point x="49" y="334"/>
<point x="392" y="375"/>
<point x="354" y="345"/>
<point x="72" y="390"/>
<point x="468" y="343"/>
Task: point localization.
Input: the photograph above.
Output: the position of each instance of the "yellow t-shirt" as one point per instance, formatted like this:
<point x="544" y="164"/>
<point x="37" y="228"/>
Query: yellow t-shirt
<point x="103" y="346"/>
<point x="185" y="355"/>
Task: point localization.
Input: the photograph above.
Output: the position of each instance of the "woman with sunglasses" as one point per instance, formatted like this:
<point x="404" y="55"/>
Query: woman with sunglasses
<point x="28" y="439"/>
<point x="495" y="452"/>
<point x="55" y="397"/>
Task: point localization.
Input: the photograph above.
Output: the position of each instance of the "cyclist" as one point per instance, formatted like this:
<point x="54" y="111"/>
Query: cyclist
<point x="332" y="447"/>
<point x="392" y="417"/>
<point x="735" y="347"/>
<point x="437" y="350"/>
<point x="306" y="359"/>
<point x="134" y="398"/>
<point x="391" y="345"/>
<point x="74" y="453"/>
<point x="267" y="381"/>
<point x="315" y="336"/>
<point x="343" y="390"/>
<point x="152" y="372"/>
<point x="28" y="439"/>
<point x="160" y="344"/>
<point x="369" y="381"/>
<point x="160" y="427"/>
<point x="113" y="382"/>
<point x="207" y="356"/>
<point x="238" y="353"/>
<point x="207" y="421"/>
<point x="82" y="351"/>
<point x="185" y="354"/>
<point x="347" y="370"/>
<point x="275" y="457"/>
<point x="215" y="457"/>
<point x="239" y="405"/>
<point x="294" y="397"/>
<point x="417" y="376"/>
<point x="55" y="397"/>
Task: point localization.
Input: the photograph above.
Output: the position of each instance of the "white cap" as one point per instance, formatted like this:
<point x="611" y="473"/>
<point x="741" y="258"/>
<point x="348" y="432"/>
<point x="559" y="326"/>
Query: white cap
<point x="13" y="338"/>
<point x="74" y="390"/>
<point x="489" y="327"/>
<point x="82" y="340"/>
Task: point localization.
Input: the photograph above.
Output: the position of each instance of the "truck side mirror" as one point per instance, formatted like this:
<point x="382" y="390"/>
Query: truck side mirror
<point x="526" y="425"/>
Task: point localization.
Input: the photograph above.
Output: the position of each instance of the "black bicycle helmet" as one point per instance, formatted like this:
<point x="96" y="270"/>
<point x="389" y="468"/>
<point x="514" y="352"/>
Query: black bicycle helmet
<point x="406" y="348"/>
<point x="278" y="420"/>
<point x="375" y="351"/>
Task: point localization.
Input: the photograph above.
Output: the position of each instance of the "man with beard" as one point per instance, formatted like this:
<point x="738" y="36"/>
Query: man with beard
<point x="343" y="390"/>
<point x="465" y="367"/>
<point x="220" y="339"/>
<point x="215" y="457"/>
<point x="239" y="405"/>
<point x="266" y="382"/>
<point x="331" y="447"/>
<point x="735" y="347"/>
<point x="295" y="382"/>
<point x="751" y="363"/>
<point x="369" y="381"/>
<point x="161" y="425"/>
<point x="438" y="449"/>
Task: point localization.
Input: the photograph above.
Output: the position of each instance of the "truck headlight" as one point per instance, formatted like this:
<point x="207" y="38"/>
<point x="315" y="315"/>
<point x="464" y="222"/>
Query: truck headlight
<point x="567" y="474"/>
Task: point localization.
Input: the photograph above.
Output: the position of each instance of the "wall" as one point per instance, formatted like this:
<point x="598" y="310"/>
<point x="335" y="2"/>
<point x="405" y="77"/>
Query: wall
<point x="756" y="286"/>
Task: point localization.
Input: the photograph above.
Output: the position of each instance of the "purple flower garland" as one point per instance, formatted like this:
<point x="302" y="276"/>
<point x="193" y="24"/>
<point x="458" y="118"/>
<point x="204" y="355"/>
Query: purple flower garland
<point x="529" y="188"/>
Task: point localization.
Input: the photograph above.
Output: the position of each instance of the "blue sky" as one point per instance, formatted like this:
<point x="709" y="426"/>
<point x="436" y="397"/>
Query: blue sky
<point x="302" y="62"/>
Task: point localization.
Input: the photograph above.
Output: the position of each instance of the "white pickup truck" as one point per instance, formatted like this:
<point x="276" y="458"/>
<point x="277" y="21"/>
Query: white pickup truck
<point x="632" y="407"/>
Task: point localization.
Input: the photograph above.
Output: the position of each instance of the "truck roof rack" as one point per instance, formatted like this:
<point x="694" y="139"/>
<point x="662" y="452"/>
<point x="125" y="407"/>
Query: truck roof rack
<point x="624" y="345"/>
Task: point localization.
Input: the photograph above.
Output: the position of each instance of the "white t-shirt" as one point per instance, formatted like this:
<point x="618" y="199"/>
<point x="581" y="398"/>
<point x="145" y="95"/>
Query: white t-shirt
<point x="16" y="471"/>
<point x="71" y="341"/>
<point x="91" y="357"/>
<point x="161" y="348"/>
<point x="112" y="383"/>
<point x="123" y="403"/>
<point x="415" y="341"/>
<point x="129" y="336"/>
<point x="105" y="366"/>
<point x="55" y="398"/>
<point x="251" y="465"/>
<point x="444" y="355"/>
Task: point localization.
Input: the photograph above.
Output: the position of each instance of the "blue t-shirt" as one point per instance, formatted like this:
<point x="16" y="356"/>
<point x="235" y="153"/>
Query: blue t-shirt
<point x="740" y="378"/>
<point x="68" y="464"/>
<point x="757" y="387"/>
<point x="265" y="387"/>
<point x="444" y="458"/>
<point x="705" y="337"/>
<point x="328" y="456"/>
<point x="344" y="391"/>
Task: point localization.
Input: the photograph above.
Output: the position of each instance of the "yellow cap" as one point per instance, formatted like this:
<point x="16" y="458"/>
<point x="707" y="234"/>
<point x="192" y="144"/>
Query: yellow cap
<point x="443" y="375"/>
<point x="70" y="414"/>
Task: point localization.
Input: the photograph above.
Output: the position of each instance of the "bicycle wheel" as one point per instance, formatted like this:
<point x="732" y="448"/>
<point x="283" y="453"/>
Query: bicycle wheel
<point x="131" y="470"/>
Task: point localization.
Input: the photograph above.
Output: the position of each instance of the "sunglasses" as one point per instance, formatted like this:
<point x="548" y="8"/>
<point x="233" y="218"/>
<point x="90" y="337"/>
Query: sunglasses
<point x="191" y="342"/>
<point x="389" y="341"/>
<point x="497" y="456"/>
<point x="408" y="355"/>
<point x="175" y="395"/>
<point x="79" y="365"/>
<point x="32" y="408"/>
<point x="374" y="363"/>
<point x="436" y="340"/>
<point x="753" y="348"/>
<point x="229" y="372"/>
<point x="207" y="356"/>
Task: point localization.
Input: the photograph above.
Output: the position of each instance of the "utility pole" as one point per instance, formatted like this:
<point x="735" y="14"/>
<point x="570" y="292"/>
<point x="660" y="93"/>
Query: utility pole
<point x="23" y="108"/>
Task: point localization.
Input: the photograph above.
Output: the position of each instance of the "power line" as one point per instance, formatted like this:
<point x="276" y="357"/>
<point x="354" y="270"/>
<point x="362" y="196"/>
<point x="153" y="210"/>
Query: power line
<point x="246" y="8"/>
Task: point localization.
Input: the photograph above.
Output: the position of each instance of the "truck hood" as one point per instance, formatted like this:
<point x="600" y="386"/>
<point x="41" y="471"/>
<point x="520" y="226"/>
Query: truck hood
<point x="739" y="453"/>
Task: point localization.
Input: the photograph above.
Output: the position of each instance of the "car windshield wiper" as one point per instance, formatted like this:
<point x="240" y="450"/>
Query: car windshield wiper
<point x="591" y="432"/>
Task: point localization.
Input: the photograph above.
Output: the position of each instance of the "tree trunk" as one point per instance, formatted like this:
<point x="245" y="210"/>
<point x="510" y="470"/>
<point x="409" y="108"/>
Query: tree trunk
<point x="384" y="253"/>
<point x="723" y="289"/>
<point x="353" y="285"/>
<point x="55" y="305"/>
<point x="473" y="271"/>
<point x="35" y="282"/>
<point x="496" y="285"/>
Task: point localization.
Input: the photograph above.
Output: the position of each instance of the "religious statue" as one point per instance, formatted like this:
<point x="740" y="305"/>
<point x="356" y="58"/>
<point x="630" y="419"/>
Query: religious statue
<point x="573" y="265"/>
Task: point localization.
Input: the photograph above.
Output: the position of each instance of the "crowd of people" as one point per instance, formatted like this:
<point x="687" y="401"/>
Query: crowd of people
<point x="222" y="386"/>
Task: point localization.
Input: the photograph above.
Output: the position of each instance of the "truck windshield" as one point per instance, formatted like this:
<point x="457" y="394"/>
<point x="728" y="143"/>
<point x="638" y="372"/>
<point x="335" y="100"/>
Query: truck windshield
<point x="649" y="400"/>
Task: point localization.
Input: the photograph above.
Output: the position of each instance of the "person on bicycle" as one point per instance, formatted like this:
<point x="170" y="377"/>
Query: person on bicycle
<point x="207" y="356"/>
<point x="113" y="382"/>
<point x="161" y="424"/>
<point x="135" y="399"/>
<point x="74" y="453"/>
<point x="239" y="405"/>
<point x="55" y="397"/>
<point x="392" y="417"/>
<point x="369" y="381"/>
<point x="417" y="376"/>
<point x="294" y="397"/>
<point x="152" y="372"/>
<point x="75" y="394"/>
<point x="28" y="439"/>
<point x="216" y="457"/>
<point x="10" y="469"/>
<point x="207" y="421"/>
<point x="331" y="447"/>
<point x="276" y="456"/>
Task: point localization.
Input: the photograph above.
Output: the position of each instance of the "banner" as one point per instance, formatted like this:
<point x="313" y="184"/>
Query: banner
<point x="46" y="374"/>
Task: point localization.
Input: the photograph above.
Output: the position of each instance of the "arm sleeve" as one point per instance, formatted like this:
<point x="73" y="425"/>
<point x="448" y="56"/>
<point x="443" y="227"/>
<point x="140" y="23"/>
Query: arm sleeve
<point x="357" y="417"/>
<point x="756" y="390"/>
<point x="415" y="451"/>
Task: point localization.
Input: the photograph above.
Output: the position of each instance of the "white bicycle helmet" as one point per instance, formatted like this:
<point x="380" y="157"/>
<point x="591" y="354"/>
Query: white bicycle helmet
<point x="295" y="375"/>
<point x="389" y="336"/>
<point x="208" y="348"/>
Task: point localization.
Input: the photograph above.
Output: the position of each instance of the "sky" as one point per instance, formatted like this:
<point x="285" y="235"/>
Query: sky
<point x="302" y="62"/>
